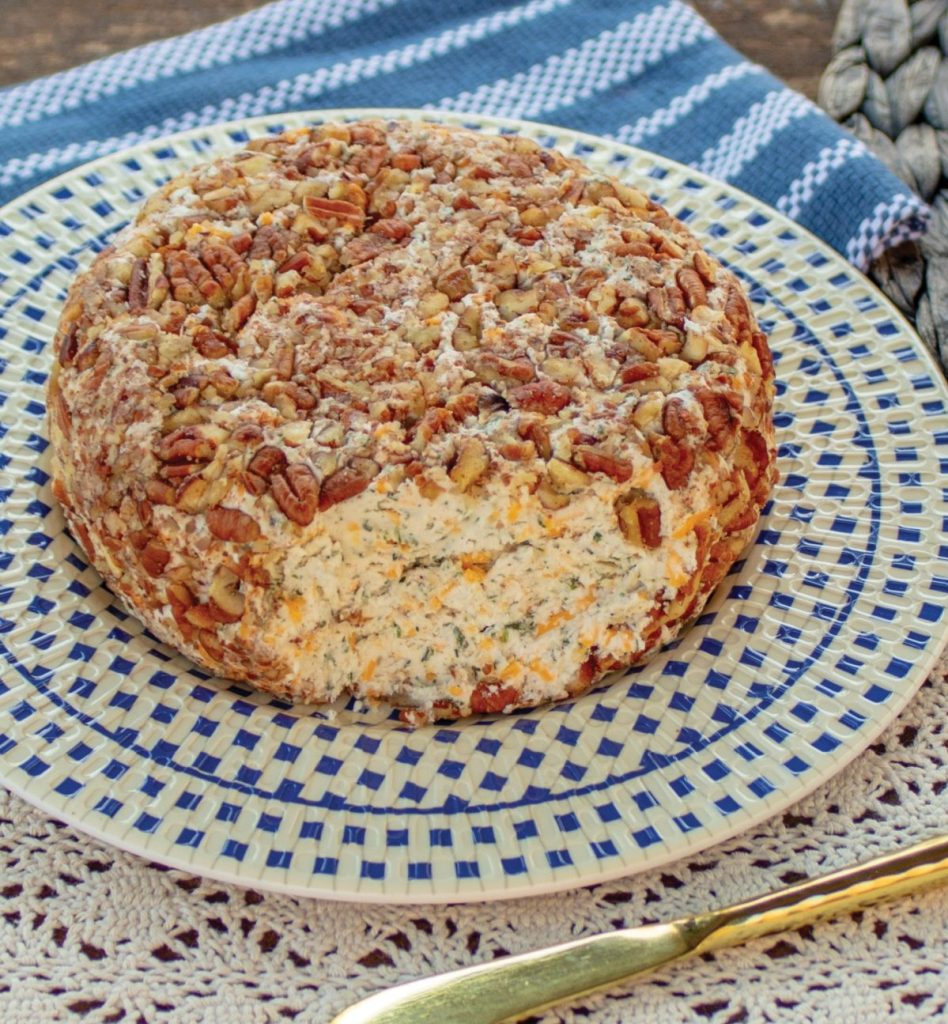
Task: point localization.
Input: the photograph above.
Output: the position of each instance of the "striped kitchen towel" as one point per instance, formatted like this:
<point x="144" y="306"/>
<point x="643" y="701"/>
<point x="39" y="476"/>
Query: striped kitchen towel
<point x="647" y="72"/>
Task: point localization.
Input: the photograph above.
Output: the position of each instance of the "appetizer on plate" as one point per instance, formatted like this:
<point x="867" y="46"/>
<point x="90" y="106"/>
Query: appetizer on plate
<point x="418" y="414"/>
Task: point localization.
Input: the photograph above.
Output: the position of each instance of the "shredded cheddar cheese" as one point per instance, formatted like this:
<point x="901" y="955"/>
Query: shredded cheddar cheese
<point x="295" y="607"/>
<point x="690" y="522"/>
<point x="553" y="621"/>
<point x="511" y="670"/>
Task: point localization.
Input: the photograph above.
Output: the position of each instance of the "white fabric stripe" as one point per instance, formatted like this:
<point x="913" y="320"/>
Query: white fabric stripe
<point x="288" y="93"/>
<point x="753" y="132"/>
<point x="680" y="106"/>
<point x="816" y="172"/>
<point x="258" y="32"/>
<point x="580" y="72"/>
<point x="884" y="227"/>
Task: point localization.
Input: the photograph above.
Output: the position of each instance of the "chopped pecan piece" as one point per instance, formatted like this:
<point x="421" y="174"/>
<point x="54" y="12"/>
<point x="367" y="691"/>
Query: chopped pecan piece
<point x="565" y="478"/>
<point x="159" y="492"/>
<point x="549" y="497"/>
<point x="762" y="348"/>
<point x="635" y="372"/>
<point x="154" y="557"/>
<point x="226" y="602"/>
<point x="363" y="248"/>
<point x="538" y="434"/>
<point x="335" y="209"/>
<point x="493" y="369"/>
<point x="406" y="161"/>
<point x="640" y="518"/>
<point x="597" y="461"/>
<point x="544" y="396"/>
<point x="138" y="286"/>
<point x="69" y="344"/>
<point x="491" y="696"/>
<point x="186" y="443"/>
<point x="393" y="228"/>
<point x="455" y="283"/>
<point x="518" y="451"/>
<point x="632" y="312"/>
<point x="88" y="355"/>
<point x="472" y="463"/>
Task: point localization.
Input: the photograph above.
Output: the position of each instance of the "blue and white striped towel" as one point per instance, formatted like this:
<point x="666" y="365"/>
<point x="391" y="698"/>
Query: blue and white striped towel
<point x="647" y="72"/>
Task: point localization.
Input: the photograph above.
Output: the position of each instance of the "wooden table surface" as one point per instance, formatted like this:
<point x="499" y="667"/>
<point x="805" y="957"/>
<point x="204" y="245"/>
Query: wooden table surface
<point x="38" y="37"/>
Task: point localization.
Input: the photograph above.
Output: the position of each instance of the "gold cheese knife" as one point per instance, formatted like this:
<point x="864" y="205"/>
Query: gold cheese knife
<point x="515" y="986"/>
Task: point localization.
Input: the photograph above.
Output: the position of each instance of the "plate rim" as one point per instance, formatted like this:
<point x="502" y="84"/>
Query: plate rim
<point x="687" y="847"/>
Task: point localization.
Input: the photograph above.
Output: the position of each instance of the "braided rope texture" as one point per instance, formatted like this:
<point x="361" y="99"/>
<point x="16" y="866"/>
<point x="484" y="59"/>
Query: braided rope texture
<point x="888" y="84"/>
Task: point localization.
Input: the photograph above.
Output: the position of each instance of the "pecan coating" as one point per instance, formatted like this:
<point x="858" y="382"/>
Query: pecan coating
<point x="410" y="412"/>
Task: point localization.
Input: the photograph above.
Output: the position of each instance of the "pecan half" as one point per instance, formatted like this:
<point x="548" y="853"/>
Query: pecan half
<point x="228" y="269"/>
<point x="232" y="524"/>
<point x="692" y="287"/>
<point x="720" y="420"/>
<point x="675" y="461"/>
<point x="272" y="243"/>
<point x="191" y="282"/>
<point x="705" y="266"/>
<point x="668" y="305"/>
<point x="347" y="482"/>
<point x="678" y="421"/>
<point x="296" y="492"/>
<point x="266" y="463"/>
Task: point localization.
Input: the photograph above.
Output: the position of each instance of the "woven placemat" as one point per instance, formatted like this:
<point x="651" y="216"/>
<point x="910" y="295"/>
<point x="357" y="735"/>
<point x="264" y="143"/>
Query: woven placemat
<point x="888" y="84"/>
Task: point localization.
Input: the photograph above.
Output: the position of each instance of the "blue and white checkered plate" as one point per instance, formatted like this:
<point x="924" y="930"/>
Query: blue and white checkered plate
<point x="810" y="647"/>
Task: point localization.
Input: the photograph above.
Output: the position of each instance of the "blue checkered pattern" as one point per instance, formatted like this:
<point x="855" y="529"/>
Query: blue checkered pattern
<point x="651" y="74"/>
<point x="814" y="639"/>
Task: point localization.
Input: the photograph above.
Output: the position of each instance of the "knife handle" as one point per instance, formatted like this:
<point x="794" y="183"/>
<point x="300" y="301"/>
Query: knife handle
<point x="514" y="986"/>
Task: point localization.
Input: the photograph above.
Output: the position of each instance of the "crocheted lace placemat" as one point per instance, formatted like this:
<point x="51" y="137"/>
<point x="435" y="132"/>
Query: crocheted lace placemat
<point x="92" y="934"/>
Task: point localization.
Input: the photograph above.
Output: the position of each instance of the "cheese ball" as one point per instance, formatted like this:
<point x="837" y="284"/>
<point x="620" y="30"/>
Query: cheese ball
<point x="412" y="413"/>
